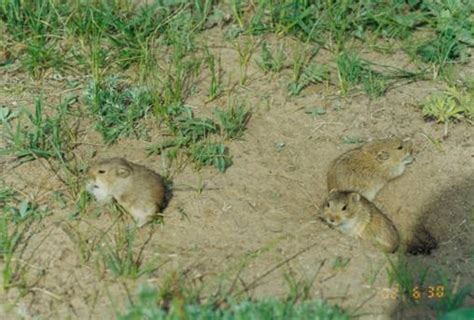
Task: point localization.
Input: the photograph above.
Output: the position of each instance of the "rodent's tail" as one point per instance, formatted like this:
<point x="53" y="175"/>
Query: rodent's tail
<point x="421" y="242"/>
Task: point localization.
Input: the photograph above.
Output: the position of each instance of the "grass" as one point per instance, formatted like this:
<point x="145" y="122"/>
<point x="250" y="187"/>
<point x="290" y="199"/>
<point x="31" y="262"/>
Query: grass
<point x="119" y="257"/>
<point x="41" y="136"/>
<point x="147" y="305"/>
<point x="117" y="108"/>
<point x="18" y="219"/>
<point x="418" y="285"/>
<point x="450" y="106"/>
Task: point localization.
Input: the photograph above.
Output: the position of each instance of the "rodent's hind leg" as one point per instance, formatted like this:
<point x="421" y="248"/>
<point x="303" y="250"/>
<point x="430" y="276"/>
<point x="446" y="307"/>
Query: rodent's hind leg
<point x="142" y="217"/>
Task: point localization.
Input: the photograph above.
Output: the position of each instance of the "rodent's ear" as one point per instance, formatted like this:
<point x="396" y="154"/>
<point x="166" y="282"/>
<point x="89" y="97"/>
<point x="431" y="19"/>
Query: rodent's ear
<point x="355" y="197"/>
<point x="122" y="172"/>
<point x="382" y="156"/>
<point x="333" y="190"/>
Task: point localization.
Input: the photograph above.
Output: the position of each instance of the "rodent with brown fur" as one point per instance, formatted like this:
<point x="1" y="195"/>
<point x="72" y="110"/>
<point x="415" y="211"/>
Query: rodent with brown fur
<point x="136" y="188"/>
<point x="368" y="168"/>
<point x="354" y="215"/>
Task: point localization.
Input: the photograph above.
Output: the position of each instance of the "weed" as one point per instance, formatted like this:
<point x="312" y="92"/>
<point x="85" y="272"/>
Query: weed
<point x="25" y="211"/>
<point x="270" y="62"/>
<point x="314" y="111"/>
<point x="306" y="72"/>
<point x="211" y="154"/>
<point x="233" y="120"/>
<point x="349" y="70"/>
<point x="339" y="263"/>
<point x="352" y="140"/>
<point x="453" y="32"/>
<point x="299" y="289"/>
<point x="40" y="56"/>
<point x="408" y="278"/>
<point x="245" y="51"/>
<point x="43" y="137"/>
<point x="8" y="241"/>
<point x="441" y="108"/>
<point x="117" y="109"/>
<point x="452" y="299"/>
<point x="441" y="51"/>
<point x="176" y="305"/>
<point x="444" y="108"/>
<point x="215" y="85"/>
<point x="118" y="256"/>
<point x="374" y="84"/>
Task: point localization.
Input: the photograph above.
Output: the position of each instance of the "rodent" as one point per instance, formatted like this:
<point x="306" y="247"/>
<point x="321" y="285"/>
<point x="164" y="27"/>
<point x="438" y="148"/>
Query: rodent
<point x="368" y="168"/>
<point x="354" y="215"/>
<point x="136" y="188"/>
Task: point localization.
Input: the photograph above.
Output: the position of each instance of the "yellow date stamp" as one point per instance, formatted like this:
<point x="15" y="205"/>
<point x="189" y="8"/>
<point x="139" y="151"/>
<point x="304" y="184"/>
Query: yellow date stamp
<point x="416" y="293"/>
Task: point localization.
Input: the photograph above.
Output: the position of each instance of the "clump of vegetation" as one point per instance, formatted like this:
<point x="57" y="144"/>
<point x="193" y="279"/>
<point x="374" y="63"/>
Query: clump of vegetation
<point x="454" y="104"/>
<point x="118" y="255"/>
<point x="43" y="136"/>
<point x="416" y="283"/>
<point x="148" y="301"/>
<point x="17" y="217"/>
<point x="117" y="108"/>
<point x="233" y="120"/>
<point x="191" y="134"/>
<point x="271" y="62"/>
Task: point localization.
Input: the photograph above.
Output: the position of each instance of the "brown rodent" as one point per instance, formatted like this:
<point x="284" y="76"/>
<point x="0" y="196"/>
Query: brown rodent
<point x="136" y="188"/>
<point x="354" y="215"/>
<point x="367" y="169"/>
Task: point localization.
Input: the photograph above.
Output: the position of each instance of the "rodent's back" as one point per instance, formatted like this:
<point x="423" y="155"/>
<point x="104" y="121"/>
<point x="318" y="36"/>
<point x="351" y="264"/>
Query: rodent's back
<point x="146" y="181"/>
<point x="368" y="168"/>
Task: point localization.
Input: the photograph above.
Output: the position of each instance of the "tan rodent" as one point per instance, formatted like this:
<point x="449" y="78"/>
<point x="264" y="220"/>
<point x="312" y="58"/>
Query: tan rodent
<point x="354" y="215"/>
<point x="367" y="169"/>
<point x="136" y="188"/>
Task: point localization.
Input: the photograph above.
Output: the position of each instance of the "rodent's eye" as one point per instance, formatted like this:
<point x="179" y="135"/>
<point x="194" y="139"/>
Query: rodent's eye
<point x="96" y="186"/>
<point x="344" y="208"/>
<point x="327" y="204"/>
<point x="400" y="147"/>
<point x="101" y="171"/>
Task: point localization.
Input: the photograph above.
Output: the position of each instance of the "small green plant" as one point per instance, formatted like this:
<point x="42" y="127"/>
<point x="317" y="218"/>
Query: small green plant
<point x="352" y="140"/>
<point x="233" y="120"/>
<point x="270" y="62"/>
<point x="42" y="137"/>
<point x="442" y="108"/>
<point x="119" y="256"/>
<point x="17" y="216"/>
<point x="408" y="278"/>
<point x="8" y="242"/>
<point x="350" y="70"/>
<point x="245" y="51"/>
<point x="374" y="84"/>
<point x="215" y="86"/>
<point x="26" y="210"/>
<point x="117" y="108"/>
<point x="453" y="104"/>
<point x="191" y="136"/>
<point x="339" y="263"/>
<point x="211" y="154"/>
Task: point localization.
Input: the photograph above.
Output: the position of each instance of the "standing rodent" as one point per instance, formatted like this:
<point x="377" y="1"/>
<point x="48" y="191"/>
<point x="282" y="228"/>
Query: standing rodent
<point x="354" y="215"/>
<point x="369" y="168"/>
<point x="138" y="189"/>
